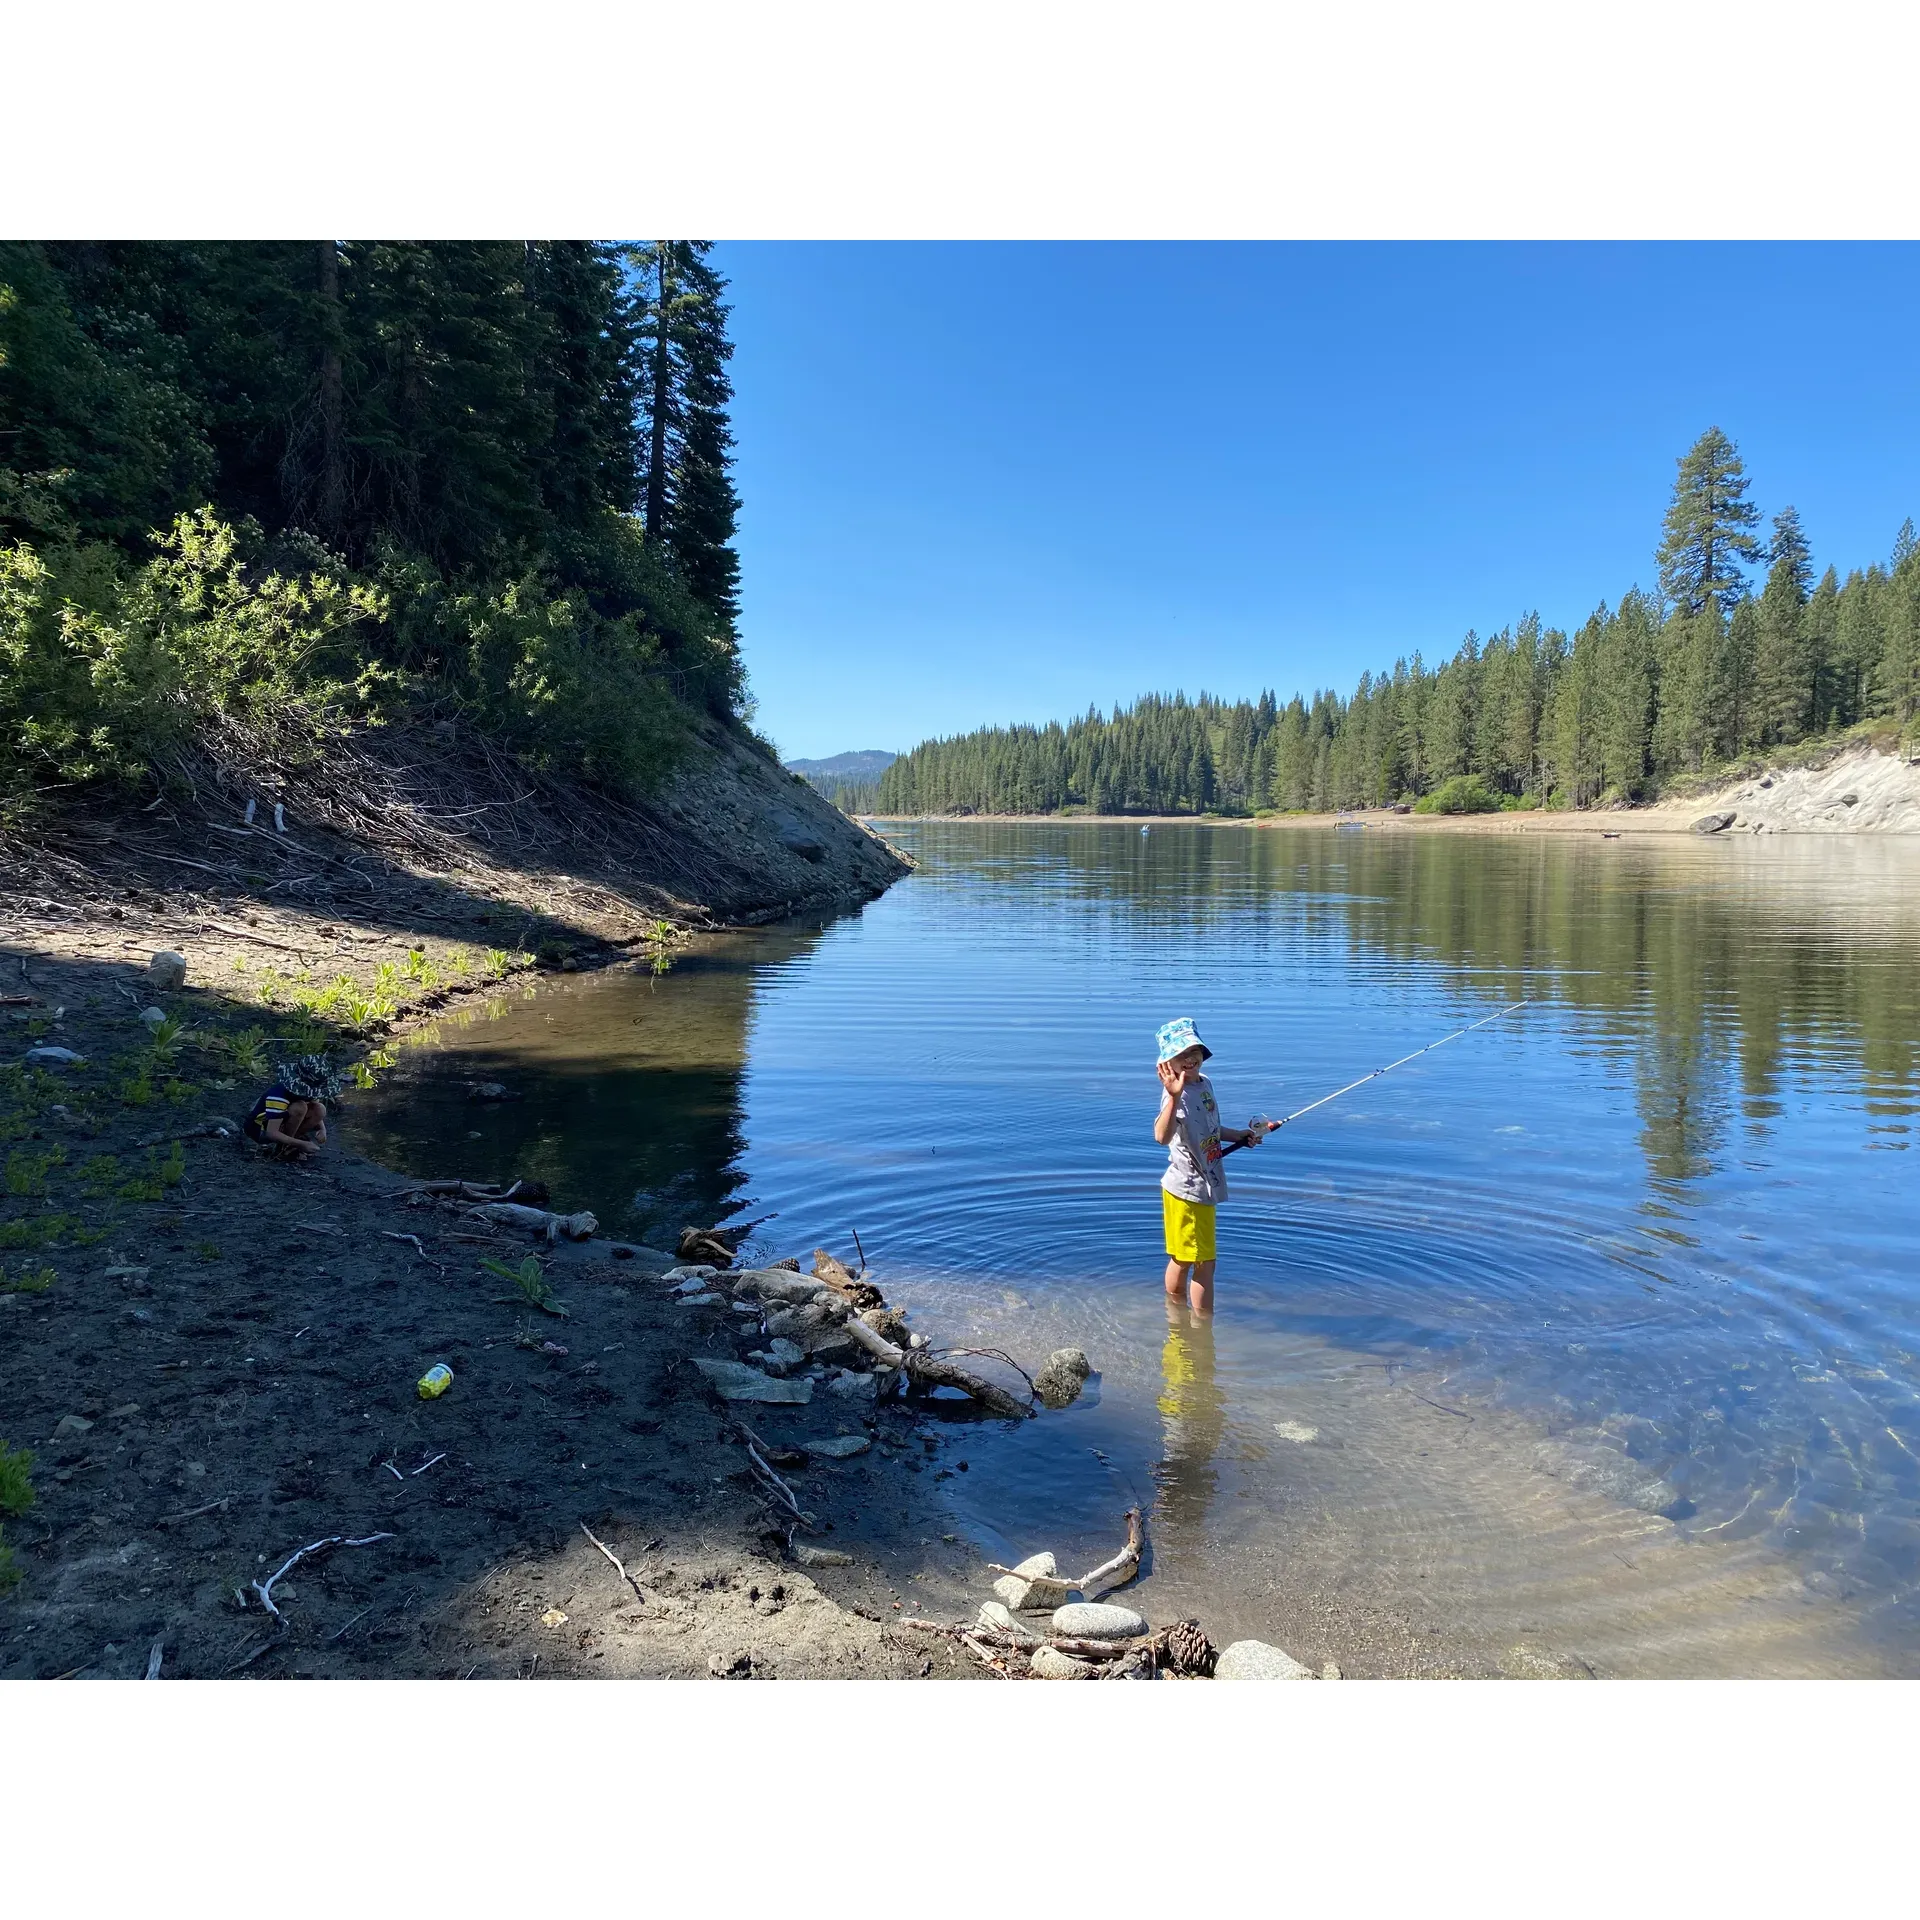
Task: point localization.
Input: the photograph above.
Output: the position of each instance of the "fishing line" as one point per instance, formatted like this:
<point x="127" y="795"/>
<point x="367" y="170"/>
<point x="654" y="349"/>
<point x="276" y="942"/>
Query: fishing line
<point x="1431" y="1045"/>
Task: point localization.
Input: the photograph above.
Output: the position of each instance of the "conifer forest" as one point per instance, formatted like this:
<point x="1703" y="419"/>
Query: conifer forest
<point x="1741" y="649"/>
<point x="296" y="486"/>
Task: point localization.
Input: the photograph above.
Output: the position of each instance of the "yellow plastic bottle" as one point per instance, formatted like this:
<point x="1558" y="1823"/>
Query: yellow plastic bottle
<point x="434" y="1382"/>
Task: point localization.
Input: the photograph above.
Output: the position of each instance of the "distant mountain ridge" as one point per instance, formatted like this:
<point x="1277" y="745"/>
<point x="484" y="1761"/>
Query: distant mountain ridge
<point x="868" y="765"/>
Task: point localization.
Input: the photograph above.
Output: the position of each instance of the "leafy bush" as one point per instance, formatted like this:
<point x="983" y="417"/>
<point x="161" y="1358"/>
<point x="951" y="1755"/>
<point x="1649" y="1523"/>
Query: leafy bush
<point x="1464" y="793"/>
<point x="104" y="670"/>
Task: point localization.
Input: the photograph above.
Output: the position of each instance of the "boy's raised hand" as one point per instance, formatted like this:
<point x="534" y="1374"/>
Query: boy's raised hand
<point x="1173" y="1078"/>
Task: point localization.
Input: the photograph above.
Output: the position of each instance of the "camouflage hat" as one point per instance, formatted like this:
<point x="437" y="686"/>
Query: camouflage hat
<point x="310" y="1076"/>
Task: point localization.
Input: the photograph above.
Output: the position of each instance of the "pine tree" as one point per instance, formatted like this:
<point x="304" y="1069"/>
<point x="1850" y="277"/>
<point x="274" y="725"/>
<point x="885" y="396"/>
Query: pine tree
<point x="1709" y="528"/>
<point x="691" y="505"/>
<point x="1782" y="669"/>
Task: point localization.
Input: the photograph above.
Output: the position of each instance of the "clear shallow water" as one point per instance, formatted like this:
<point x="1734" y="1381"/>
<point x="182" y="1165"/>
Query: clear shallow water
<point x="1626" y="1281"/>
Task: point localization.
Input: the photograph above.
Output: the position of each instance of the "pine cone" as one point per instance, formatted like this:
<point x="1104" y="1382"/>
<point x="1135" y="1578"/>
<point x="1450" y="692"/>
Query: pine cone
<point x="1189" y="1650"/>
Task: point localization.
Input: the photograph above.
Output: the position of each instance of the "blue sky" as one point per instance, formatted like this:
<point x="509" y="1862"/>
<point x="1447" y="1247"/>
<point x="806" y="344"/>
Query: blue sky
<point x="993" y="483"/>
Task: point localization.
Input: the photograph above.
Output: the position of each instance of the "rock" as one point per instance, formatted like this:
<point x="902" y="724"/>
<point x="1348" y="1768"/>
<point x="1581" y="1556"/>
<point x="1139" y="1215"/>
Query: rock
<point x="1047" y="1664"/>
<point x="553" y="1617"/>
<point x="1255" y="1660"/>
<point x="733" y="1381"/>
<point x="1297" y="1431"/>
<point x="799" y="840"/>
<point x="774" y="1283"/>
<point x="730" y="1666"/>
<point x="167" y="971"/>
<point x="152" y="1018"/>
<point x="1849" y="799"/>
<point x="489" y="1090"/>
<point x="1331" y="1671"/>
<point x="843" y="1446"/>
<point x="1097" y="1620"/>
<point x="1033" y="1586"/>
<point x="1713" y="823"/>
<point x="854" y="1386"/>
<point x="807" y="1556"/>
<point x="54" y="1057"/>
<point x="71" y="1423"/>
<point x="697" y="1284"/>
<point x="889" y="1323"/>
<point x="1058" y="1383"/>
<point x="786" y="1353"/>
<point x="680" y="1274"/>
<point x="700" y="1300"/>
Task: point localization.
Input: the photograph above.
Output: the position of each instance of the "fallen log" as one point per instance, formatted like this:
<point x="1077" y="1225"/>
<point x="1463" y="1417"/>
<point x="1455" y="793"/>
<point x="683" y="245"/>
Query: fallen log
<point x="575" y="1226"/>
<point x="923" y="1370"/>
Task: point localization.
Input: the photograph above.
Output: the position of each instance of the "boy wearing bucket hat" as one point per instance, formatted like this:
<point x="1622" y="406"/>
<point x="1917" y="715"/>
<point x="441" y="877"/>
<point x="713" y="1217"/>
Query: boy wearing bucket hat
<point x="1188" y="1126"/>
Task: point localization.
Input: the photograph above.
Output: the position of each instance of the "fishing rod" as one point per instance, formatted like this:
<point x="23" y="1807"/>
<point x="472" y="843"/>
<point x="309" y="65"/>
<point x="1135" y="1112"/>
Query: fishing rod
<point x="1274" y="1126"/>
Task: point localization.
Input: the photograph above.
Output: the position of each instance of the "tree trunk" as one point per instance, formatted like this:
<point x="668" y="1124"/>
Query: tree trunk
<point x="331" y="500"/>
<point x="662" y="401"/>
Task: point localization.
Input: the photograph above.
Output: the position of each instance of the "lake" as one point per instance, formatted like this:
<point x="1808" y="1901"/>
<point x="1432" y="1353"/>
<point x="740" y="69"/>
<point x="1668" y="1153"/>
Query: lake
<point x="1588" y="1343"/>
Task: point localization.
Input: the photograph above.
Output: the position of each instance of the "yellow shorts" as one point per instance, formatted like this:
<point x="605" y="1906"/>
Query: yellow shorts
<point x="1189" y="1228"/>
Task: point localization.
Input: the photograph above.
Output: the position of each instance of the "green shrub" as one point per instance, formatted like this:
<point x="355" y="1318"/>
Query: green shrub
<point x="1464" y="793"/>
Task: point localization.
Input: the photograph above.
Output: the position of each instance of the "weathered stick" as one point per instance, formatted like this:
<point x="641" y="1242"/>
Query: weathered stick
<point x="265" y="1588"/>
<point x="619" y="1565"/>
<point x="155" y="1654"/>
<point x="986" y="1656"/>
<point x="414" y="1240"/>
<point x="1124" y="1564"/>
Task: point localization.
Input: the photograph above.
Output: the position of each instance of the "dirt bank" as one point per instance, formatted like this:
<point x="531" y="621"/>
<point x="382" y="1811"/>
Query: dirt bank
<point x="213" y="1358"/>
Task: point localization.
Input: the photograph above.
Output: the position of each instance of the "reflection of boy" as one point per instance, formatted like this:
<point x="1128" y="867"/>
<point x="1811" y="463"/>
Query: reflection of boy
<point x="1188" y="1126"/>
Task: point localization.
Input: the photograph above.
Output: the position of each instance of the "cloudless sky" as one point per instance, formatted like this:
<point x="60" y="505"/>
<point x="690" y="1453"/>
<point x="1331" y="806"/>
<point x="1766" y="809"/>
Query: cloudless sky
<point x="996" y="483"/>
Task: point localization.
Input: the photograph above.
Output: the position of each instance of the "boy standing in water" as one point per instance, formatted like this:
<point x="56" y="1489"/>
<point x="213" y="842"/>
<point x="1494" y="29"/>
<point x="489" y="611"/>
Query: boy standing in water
<point x="1188" y="1126"/>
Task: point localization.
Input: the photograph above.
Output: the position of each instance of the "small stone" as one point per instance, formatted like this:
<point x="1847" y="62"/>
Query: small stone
<point x="807" y="1556"/>
<point x="553" y="1617"/>
<point x="1255" y="1660"/>
<point x="786" y="1353"/>
<point x="1296" y="1430"/>
<point x="853" y="1386"/>
<point x="1097" y="1620"/>
<point x="842" y="1446"/>
<point x="1331" y="1671"/>
<point x="1047" y="1663"/>
<point x="167" y="971"/>
<point x="54" y="1057"/>
<point x="152" y="1018"/>
<point x="700" y="1300"/>
<point x="730" y="1666"/>
<point x="71" y="1423"/>
<point x="677" y="1275"/>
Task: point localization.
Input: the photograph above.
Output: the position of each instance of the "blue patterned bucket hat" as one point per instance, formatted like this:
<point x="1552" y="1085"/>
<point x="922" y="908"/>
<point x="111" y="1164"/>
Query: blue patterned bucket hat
<point x="1177" y="1036"/>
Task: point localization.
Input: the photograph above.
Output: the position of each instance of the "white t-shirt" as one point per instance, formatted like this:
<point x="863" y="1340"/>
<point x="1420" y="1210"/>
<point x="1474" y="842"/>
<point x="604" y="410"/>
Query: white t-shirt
<point x="1194" y="1169"/>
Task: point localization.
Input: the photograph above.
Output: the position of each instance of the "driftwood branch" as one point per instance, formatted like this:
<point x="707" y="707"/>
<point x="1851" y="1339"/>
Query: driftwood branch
<point x="264" y="1588"/>
<point x="575" y="1226"/>
<point x="1124" y="1564"/>
<point x="926" y="1371"/>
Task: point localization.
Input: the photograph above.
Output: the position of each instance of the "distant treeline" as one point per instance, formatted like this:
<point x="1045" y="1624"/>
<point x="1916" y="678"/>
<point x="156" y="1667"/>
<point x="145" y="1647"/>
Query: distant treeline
<point x="288" y="484"/>
<point x="1701" y="673"/>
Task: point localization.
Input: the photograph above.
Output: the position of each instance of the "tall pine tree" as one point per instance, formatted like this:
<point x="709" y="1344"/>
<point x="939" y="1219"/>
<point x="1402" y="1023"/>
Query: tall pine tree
<point x="1709" y="533"/>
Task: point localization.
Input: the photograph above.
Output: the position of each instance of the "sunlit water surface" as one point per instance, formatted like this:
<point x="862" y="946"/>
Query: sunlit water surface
<point x="1587" y="1342"/>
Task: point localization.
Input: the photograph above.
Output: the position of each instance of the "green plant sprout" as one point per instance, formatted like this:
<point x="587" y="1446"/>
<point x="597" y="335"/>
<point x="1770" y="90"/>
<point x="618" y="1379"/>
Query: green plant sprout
<point x="531" y="1282"/>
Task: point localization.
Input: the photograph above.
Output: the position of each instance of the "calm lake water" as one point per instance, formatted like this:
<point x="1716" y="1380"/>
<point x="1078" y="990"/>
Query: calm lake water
<point x="1590" y="1342"/>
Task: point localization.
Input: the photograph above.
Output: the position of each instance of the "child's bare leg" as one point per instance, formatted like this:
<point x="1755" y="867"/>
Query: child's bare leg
<point x="1176" y="1280"/>
<point x="1202" y="1296"/>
